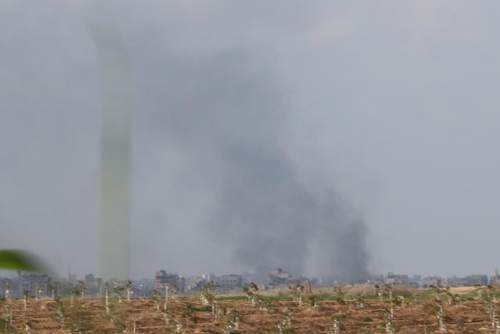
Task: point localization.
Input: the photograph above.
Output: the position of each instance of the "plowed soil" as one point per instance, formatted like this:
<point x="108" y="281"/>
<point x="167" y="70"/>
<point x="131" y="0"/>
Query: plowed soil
<point x="188" y="315"/>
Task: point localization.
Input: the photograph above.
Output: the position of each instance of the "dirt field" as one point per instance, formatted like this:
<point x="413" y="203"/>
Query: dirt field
<point x="188" y="315"/>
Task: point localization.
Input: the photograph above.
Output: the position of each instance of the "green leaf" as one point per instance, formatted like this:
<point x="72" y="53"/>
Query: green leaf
<point x="18" y="260"/>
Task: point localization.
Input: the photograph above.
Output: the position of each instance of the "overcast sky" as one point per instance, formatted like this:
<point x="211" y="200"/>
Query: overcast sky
<point x="313" y="135"/>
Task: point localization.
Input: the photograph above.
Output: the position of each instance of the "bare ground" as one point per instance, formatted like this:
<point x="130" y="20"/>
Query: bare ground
<point x="189" y="316"/>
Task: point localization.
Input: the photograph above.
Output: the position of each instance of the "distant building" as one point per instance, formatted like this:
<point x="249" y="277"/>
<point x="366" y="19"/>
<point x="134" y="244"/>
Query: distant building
<point x="162" y="280"/>
<point x="248" y="277"/>
<point x="397" y="280"/>
<point x="477" y="280"/>
<point x="194" y="284"/>
<point x="414" y="285"/>
<point x="3" y="282"/>
<point x="231" y="282"/>
<point x="210" y="277"/>
<point x="446" y="283"/>
<point x="461" y="281"/>
<point x="90" y="280"/>
<point x="93" y="284"/>
<point x="431" y="281"/>
<point x="30" y="281"/>
<point x="279" y="277"/>
<point x="144" y="287"/>
<point x="495" y="280"/>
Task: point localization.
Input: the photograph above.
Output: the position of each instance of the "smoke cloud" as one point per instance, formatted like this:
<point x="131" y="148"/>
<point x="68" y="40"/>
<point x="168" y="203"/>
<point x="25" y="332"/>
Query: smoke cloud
<point x="213" y="184"/>
<point x="227" y="112"/>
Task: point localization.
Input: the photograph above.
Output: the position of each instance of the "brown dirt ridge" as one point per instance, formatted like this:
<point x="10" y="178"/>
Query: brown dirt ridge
<point x="188" y="315"/>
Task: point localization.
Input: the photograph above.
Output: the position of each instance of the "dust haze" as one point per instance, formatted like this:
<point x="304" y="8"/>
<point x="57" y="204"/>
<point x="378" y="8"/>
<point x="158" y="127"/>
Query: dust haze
<point x="325" y="139"/>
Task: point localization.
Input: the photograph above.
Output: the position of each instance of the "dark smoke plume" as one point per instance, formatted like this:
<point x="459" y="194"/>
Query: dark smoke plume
<point x="226" y="112"/>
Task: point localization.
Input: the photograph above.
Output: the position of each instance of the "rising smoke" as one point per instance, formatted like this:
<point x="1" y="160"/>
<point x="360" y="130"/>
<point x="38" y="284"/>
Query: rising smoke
<point x="226" y="112"/>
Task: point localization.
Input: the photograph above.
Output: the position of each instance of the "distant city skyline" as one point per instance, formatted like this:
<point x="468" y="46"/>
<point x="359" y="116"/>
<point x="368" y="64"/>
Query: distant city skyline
<point x="44" y="285"/>
<point x="78" y="276"/>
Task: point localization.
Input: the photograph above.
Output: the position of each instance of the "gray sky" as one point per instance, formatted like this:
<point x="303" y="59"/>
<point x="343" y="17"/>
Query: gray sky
<point x="318" y="135"/>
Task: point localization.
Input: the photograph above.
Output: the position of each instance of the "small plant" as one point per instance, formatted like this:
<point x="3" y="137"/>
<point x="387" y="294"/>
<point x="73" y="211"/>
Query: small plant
<point x="74" y="293"/>
<point x="400" y="301"/>
<point x="479" y="290"/>
<point x="60" y="311"/>
<point x="207" y="294"/>
<point x="7" y="290"/>
<point x="221" y="311"/>
<point x="312" y="300"/>
<point x="297" y="291"/>
<point x="178" y="327"/>
<point x="285" y="326"/>
<point x="38" y="292"/>
<point x="413" y="302"/>
<point x="167" y="316"/>
<point x="128" y="288"/>
<point x="115" y="314"/>
<point x="174" y="288"/>
<point x="340" y="295"/>
<point x="157" y="299"/>
<point x="489" y="304"/>
<point x="388" y="324"/>
<point x="25" y="296"/>
<point x="389" y="313"/>
<point x="27" y="328"/>
<point x="7" y="323"/>
<point x="379" y="292"/>
<point x="117" y="289"/>
<point x="359" y="300"/>
<point x="392" y="300"/>
<point x="82" y="287"/>
<point x="264" y="304"/>
<point x="233" y="323"/>
<point x="166" y="297"/>
<point x="52" y="291"/>
<point x="367" y="319"/>
<point x="134" y="323"/>
<point x="106" y="296"/>
<point x="282" y="330"/>
<point x="188" y="313"/>
<point x="252" y="293"/>
<point x="457" y="300"/>
<point x="440" y="316"/>
<point x="338" y="324"/>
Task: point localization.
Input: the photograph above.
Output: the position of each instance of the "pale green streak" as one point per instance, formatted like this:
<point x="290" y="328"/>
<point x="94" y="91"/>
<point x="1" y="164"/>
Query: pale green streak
<point x="114" y="184"/>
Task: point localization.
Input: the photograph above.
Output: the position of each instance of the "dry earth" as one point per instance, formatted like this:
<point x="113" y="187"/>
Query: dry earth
<point x="141" y="316"/>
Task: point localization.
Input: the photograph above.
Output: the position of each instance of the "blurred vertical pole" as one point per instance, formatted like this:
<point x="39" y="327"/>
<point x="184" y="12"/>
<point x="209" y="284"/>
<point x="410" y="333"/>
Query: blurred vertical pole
<point x="114" y="183"/>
